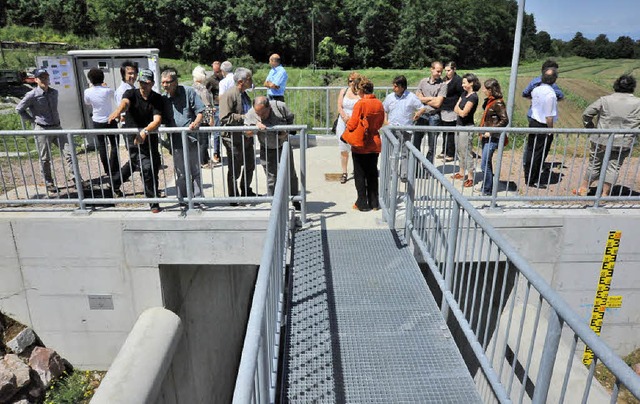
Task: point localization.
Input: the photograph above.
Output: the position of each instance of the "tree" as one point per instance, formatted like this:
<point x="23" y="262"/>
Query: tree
<point x="602" y="47"/>
<point x="543" y="43"/>
<point x="623" y="48"/>
<point x="331" y="54"/>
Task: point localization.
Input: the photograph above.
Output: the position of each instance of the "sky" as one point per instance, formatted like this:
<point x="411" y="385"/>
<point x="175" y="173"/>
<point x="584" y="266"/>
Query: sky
<point x="563" y="18"/>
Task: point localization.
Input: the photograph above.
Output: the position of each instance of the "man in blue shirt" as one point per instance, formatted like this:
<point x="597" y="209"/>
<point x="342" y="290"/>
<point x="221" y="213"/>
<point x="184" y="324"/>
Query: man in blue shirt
<point x="183" y="108"/>
<point x="276" y="81"/>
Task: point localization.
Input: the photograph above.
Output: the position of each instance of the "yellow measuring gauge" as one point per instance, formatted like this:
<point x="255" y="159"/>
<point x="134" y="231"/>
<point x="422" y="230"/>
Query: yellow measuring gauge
<point x="602" y="299"/>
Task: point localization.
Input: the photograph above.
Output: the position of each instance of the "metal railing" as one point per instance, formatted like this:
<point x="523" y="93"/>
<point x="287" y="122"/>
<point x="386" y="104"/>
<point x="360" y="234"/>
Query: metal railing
<point x="561" y="171"/>
<point x="82" y="179"/>
<point x="316" y="107"/>
<point x="257" y="374"/>
<point x="388" y="190"/>
<point x="523" y="337"/>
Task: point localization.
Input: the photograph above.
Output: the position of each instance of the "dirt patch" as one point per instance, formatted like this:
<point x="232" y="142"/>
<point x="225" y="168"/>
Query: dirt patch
<point x="607" y="379"/>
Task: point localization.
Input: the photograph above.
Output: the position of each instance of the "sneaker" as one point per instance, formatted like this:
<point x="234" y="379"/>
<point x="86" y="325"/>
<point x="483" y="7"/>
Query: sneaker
<point x="448" y="159"/>
<point x="478" y="187"/>
<point x="440" y="156"/>
<point x="52" y="188"/>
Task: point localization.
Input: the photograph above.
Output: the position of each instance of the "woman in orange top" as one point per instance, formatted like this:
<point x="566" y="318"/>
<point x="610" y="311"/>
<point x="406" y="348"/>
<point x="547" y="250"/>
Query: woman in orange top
<point x="365" y="158"/>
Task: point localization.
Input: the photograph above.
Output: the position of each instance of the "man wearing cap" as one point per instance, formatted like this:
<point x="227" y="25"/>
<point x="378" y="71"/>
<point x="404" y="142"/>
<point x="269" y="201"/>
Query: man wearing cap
<point x="144" y="112"/>
<point x="276" y="81"/>
<point x="40" y="107"/>
<point x="183" y="108"/>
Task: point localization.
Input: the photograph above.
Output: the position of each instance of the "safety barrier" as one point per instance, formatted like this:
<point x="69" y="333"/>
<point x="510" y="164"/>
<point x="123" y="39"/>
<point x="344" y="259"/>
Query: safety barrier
<point x="83" y="178"/>
<point x="558" y="179"/>
<point x="525" y="340"/>
<point x="257" y="374"/>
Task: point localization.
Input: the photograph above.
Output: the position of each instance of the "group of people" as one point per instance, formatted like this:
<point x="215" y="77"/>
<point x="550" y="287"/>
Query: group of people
<point x="453" y="100"/>
<point x="218" y="100"/>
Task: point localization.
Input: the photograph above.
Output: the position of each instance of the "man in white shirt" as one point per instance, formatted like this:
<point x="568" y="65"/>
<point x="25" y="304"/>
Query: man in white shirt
<point x="544" y="112"/>
<point x="129" y="74"/>
<point x="227" y="82"/>
<point x="100" y="98"/>
<point x="401" y="108"/>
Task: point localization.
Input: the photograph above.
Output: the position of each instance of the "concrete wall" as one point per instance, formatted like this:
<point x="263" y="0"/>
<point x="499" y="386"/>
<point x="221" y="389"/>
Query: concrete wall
<point x="53" y="265"/>
<point x="567" y="246"/>
<point x="213" y="303"/>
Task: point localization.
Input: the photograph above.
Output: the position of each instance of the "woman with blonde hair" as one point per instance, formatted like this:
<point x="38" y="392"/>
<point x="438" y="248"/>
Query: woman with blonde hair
<point x="346" y="101"/>
<point x="199" y="78"/>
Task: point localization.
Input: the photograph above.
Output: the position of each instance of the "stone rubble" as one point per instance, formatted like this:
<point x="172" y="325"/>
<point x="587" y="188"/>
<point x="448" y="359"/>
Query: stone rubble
<point x="22" y="383"/>
<point x="21" y="341"/>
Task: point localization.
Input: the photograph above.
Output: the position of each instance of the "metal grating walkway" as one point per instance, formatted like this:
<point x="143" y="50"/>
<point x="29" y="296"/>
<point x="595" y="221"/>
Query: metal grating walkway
<point x="363" y="326"/>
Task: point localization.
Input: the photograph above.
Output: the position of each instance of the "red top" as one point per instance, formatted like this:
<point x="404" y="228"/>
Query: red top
<point x="371" y="108"/>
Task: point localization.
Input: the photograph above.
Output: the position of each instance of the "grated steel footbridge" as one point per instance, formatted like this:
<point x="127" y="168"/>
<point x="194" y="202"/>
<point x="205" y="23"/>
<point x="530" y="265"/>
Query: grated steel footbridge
<point x="363" y="327"/>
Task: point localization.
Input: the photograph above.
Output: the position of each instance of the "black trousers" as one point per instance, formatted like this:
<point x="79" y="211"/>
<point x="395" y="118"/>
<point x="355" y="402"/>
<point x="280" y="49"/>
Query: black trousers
<point x="144" y="158"/>
<point x="538" y="146"/>
<point x="448" y="140"/>
<point x="365" y="176"/>
<point x="110" y="161"/>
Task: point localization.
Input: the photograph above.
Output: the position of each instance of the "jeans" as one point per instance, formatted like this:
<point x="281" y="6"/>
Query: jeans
<point x="432" y="137"/>
<point x="488" y="148"/>
<point x="194" y="169"/>
<point x="44" y="151"/>
<point x="216" y="134"/>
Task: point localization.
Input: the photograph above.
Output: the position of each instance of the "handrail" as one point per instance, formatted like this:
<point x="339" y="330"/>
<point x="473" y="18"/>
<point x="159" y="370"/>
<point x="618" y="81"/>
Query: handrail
<point x="557" y="304"/>
<point x="257" y="373"/>
<point x="19" y="178"/>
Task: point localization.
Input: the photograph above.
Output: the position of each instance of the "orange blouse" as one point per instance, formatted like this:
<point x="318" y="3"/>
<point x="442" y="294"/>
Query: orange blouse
<point x="371" y="108"/>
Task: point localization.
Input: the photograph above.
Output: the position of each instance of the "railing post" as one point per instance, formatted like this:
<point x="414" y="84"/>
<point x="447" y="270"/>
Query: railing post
<point x="303" y="176"/>
<point x="409" y="194"/>
<point x="187" y="171"/>
<point x="76" y="172"/>
<point x="450" y="264"/>
<point x="603" y="171"/>
<point x="548" y="359"/>
<point x="394" y="161"/>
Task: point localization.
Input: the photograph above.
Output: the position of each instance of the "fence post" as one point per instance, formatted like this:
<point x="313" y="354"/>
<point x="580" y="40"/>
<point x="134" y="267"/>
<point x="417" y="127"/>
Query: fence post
<point x="450" y="264"/>
<point x="76" y="173"/>
<point x="409" y="194"/>
<point x="186" y="168"/>
<point x="394" y="161"/>
<point x="603" y="171"/>
<point x="303" y="175"/>
<point x="548" y="359"/>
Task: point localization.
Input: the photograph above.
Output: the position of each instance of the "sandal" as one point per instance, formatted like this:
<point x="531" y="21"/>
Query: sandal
<point x="580" y="192"/>
<point x="468" y="183"/>
<point x="343" y="179"/>
<point x="457" y="176"/>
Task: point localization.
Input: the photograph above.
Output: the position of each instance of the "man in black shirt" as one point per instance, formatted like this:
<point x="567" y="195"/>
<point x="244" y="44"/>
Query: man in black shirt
<point x="144" y="111"/>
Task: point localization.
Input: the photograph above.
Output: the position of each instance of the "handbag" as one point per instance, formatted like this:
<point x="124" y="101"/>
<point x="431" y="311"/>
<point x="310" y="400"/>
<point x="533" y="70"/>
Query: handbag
<point x="335" y="125"/>
<point x="357" y="136"/>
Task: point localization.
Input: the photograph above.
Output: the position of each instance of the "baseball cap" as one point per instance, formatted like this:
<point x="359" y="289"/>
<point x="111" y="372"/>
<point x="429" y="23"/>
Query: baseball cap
<point x="39" y="72"/>
<point x="145" y="75"/>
